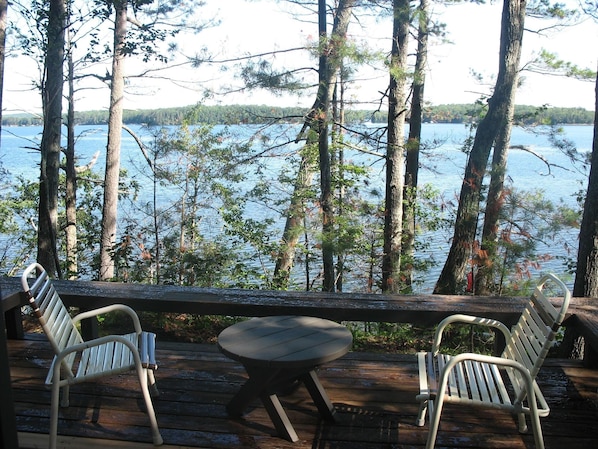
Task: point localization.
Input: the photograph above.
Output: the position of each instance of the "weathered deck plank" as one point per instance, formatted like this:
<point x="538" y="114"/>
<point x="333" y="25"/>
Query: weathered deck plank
<point x="374" y="395"/>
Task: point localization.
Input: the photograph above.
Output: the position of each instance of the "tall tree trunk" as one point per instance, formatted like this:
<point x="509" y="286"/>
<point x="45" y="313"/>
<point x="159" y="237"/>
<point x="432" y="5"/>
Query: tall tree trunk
<point x="47" y="251"/>
<point x="294" y="224"/>
<point x="317" y="121"/>
<point x="484" y="277"/>
<point x="393" y="216"/>
<point x="8" y="425"/>
<point x="111" y="179"/>
<point x="338" y="114"/>
<point x="3" y="12"/>
<point x="586" y="274"/>
<point x="413" y="147"/>
<point x="451" y="278"/>
<point x="71" y="177"/>
<point x="321" y="125"/>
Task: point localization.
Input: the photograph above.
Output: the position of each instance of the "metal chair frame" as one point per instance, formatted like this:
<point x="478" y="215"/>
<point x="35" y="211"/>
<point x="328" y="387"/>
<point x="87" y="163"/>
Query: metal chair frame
<point x="482" y="380"/>
<point x="76" y="360"/>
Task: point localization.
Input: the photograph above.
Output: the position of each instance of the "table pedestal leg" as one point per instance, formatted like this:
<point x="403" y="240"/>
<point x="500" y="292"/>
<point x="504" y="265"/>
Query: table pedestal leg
<point x="262" y="383"/>
<point x="258" y="385"/>
<point x="279" y="417"/>
<point x="251" y="390"/>
<point x="318" y="394"/>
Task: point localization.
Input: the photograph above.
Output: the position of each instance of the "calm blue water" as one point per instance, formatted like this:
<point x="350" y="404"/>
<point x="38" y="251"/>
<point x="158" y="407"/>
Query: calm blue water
<point x="442" y="166"/>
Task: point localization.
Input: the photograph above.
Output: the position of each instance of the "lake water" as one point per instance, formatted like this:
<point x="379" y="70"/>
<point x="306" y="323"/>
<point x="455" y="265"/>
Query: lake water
<point x="442" y="167"/>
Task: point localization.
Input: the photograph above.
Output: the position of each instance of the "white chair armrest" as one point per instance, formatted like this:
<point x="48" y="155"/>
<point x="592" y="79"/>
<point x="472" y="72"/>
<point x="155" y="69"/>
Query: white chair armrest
<point x="489" y="359"/>
<point x="530" y="385"/>
<point x="466" y="319"/>
<point x="96" y="342"/>
<point x="55" y="368"/>
<point x="111" y="308"/>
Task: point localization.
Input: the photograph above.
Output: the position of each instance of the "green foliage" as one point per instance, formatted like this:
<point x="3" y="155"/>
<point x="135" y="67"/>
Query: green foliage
<point x="389" y="337"/>
<point x="193" y="235"/>
<point x="255" y="241"/>
<point x="527" y="220"/>
<point x="550" y="63"/>
<point x="407" y="338"/>
<point x="467" y="338"/>
<point x="151" y="26"/>
<point x="550" y="9"/>
<point x="89" y="208"/>
<point x="18" y="209"/>
<point x="170" y="326"/>
<point x="28" y="24"/>
<point x="262" y="75"/>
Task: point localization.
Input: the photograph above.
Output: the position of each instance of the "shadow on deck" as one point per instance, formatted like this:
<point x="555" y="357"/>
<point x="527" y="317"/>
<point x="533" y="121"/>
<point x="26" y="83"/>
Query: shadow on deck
<point x="374" y="395"/>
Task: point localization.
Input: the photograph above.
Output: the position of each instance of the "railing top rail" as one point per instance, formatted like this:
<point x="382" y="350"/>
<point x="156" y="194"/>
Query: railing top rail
<point x="417" y="309"/>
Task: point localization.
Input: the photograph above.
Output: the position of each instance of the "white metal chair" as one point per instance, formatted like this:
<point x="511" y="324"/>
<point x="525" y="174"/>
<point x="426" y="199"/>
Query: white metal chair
<point x="506" y="382"/>
<point x="88" y="360"/>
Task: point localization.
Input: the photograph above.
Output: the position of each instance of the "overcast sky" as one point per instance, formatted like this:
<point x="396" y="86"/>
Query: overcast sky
<point x="263" y="26"/>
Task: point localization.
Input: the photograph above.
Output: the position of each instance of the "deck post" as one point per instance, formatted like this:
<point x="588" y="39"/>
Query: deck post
<point x="8" y="425"/>
<point x="13" y="322"/>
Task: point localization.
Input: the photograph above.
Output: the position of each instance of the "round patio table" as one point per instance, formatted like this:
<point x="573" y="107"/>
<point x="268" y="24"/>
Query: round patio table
<point x="277" y="351"/>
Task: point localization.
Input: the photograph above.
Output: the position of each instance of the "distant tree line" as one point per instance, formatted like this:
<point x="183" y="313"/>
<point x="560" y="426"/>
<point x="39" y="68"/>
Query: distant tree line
<point x="260" y="114"/>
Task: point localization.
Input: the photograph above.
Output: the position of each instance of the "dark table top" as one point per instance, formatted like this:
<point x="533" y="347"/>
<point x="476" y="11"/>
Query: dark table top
<point x="285" y="341"/>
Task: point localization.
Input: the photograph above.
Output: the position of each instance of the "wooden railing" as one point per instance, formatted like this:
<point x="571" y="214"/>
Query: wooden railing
<point x="422" y="310"/>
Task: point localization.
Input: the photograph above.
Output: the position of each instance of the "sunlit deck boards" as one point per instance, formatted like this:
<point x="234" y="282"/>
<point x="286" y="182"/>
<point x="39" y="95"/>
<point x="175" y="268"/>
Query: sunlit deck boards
<point x="374" y="395"/>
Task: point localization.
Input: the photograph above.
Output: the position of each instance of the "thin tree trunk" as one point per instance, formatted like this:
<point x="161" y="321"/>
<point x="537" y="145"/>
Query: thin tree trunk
<point x="413" y="148"/>
<point x="47" y="251"/>
<point x="452" y="277"/>
<point x="338" y="113"/>
<point x="484" y="277"/>
<point x="586" y="274"/>
<point x="111" y="179"/>
<point x="3" y="12"/>
<point x="317" y="121"/>
<point x="321" y="125"/>
<point x="71" y="178"/>
<point x="294" y="224"/>
<point x="391" y="260"/>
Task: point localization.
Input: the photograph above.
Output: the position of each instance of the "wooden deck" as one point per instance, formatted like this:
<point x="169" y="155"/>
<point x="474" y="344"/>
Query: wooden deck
<point x="374" y="395"/>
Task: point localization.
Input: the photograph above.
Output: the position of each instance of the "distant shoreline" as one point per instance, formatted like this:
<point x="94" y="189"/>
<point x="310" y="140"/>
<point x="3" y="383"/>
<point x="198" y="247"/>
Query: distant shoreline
<point x="263" y="114"/>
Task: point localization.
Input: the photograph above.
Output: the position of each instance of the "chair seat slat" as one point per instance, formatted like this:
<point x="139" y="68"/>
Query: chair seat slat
<point x="482" y="382"/>
<point x="494" y="384"/>
<point x="544" y="307"/>
<point x="460" y="383"/>
<point x="425" y="382"/>
<point x="520" y="352"/>
<point x="472" y="380"/>
<point x="432" y="372"/>
<point x="119" y="356"/>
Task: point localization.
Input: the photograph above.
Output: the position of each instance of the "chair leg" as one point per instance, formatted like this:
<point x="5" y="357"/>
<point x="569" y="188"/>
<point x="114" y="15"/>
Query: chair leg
<point x="143" y="375"/>
<point x="537" y="428"/>
<point x="421" y="415"/>
<point x="65" y="400"/>
<point x="535" y="419"/>
<point x="54" y="414"/>
<point x="522" y="422"/>
<point x="152" y="383"/>
<point x="435" y="411"/>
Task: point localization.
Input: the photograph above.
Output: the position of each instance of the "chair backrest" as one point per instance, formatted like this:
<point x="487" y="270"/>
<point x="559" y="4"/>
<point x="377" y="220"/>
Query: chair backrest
<point x="52" y="314"/>
<point x="535" y="332"/>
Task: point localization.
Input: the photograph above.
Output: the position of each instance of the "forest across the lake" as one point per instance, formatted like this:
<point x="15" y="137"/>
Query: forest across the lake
<point x="259" y="114"/>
